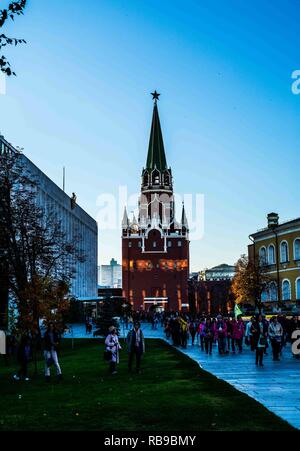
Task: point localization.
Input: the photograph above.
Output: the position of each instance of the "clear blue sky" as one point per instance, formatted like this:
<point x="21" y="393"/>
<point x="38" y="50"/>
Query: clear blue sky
<point x="230" y="121"/>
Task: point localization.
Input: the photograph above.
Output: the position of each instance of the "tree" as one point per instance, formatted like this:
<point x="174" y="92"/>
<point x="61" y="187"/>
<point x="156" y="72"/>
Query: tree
<point x="250" y="281"/>
<point x="38" y="256"/>
<point x="107" y="317"/>
<point x="111" y="309"/>
<point x="13" y="9"/>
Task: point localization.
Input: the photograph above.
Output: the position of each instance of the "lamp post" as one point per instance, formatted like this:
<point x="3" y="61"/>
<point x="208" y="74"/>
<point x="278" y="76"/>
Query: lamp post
<point x="124" y="306"/>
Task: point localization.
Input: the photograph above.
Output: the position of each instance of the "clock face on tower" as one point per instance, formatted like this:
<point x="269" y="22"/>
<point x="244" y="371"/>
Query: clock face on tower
<point x="155" y="247"/>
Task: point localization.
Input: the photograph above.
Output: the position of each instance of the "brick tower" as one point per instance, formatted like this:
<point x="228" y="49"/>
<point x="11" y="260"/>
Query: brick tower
<point x="155" y="247"/>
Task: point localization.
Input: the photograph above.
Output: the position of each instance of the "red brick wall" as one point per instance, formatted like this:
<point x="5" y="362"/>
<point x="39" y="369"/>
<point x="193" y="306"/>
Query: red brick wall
<point x="155" y="274"/>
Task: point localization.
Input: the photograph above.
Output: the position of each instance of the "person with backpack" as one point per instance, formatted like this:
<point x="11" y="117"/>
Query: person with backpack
<point x="259" y="332"/>
<point x="221" y="334"/>
<point x="51" y="345"/>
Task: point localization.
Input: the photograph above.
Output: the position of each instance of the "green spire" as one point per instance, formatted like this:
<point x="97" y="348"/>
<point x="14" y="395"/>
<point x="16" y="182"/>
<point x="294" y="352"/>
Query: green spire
<point x="156" y="152"/>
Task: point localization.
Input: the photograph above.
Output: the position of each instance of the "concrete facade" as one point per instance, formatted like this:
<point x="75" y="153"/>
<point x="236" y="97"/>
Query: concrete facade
<point x="74" y="221"/>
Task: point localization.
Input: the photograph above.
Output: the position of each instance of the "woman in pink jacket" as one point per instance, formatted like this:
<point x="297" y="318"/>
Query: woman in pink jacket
<point x="238" y="332"/>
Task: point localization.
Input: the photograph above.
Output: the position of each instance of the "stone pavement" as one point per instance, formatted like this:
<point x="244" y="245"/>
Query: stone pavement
<point x="276" y="386"/>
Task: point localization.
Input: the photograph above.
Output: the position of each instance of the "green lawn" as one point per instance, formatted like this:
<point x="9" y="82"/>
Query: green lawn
<point x="172" y="394"/>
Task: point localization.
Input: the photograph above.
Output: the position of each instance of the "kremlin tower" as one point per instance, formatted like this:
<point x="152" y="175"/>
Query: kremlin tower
<point x="155" y="247"/>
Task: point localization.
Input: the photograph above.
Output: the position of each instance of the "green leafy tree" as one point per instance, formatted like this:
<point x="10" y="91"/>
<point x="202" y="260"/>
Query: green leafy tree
<point x="107" y="317"/>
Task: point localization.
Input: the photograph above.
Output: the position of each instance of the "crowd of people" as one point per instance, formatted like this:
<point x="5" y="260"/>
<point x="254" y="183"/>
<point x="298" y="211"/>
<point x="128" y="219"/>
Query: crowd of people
<point x="222" y="334"/>
<point x="231" y="334"/>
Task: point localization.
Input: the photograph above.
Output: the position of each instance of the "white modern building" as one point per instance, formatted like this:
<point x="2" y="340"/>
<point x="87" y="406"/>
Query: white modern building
<point x="111" y="275"/>
<point x="220" y="272"/>
<point x="75" y="222"/>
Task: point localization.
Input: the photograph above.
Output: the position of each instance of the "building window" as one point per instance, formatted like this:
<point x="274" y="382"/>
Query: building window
<point x="284" y="252"/>
<point x="154" y="243"/>
<point x="140" y="244"/>
<point x="129" y="244"/>
<point x="262" y="256"/>
<point x="155" y="177"/>
<point x="298" y="289"/>
<point x="286" y="290"/>
<point x="271" y="254"/>
<point x="169" y="243"/>
<point x="297" y="249"/>
<point x="273" y="292"/>
<point x="179" y="243"/>
<point x="264" y="295"/>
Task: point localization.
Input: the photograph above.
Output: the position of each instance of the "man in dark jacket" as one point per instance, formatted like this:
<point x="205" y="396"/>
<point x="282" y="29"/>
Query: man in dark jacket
<point x="24" y="355"/>
<point x="136" y="346"/>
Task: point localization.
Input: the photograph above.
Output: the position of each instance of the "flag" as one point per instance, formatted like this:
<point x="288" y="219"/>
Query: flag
<point x="237" y="310"/>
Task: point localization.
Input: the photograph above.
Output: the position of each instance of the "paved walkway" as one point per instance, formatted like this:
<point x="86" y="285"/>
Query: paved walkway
<point x="276" y="386"/>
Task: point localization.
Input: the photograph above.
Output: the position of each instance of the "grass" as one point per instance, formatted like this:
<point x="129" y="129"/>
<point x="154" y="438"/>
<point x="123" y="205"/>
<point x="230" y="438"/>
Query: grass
<point x="172" y="394"/>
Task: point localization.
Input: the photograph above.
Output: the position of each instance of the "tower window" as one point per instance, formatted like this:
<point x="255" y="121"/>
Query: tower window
<point x="169" y="243"/>
<point x="154" y="243"/>
<point x="129" y="244"/>
<point x="179" y="243"/>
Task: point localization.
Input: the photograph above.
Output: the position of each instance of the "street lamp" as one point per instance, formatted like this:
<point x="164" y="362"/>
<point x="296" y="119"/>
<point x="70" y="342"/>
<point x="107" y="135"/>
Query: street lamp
<point x="124" y="306"/>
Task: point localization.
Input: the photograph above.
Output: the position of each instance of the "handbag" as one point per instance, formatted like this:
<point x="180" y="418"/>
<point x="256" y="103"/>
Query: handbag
<point x="107" y="355"/>
<point x="263" y="341"/>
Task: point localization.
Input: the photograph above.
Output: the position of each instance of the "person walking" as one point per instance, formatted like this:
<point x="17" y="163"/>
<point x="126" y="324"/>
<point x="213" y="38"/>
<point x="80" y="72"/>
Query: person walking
<point x="112" y="347"/>
<point x="183" y="332"/>
<point x="238" y="333"/>
<point x="193" y="330"/>
<point x="208" y="334"/>
<point x="23" y="356"/>
<point x="221" y="334"/>
<point x="51" y="344"/>
<point x="231" y="324"/>
<point x="276" y="334"/>
<point x="201" y="334"/>
<point x="248" y="334"/>
<point x="136" y="347"/>
<point x="259" y="331"/>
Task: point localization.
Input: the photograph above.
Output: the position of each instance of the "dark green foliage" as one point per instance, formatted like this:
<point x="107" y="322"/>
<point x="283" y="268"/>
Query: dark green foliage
<point x="13" y="9"/>
<point x="107" y="317"/>
<point x="171" y="394"/>
<point x="75" y="313"/>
